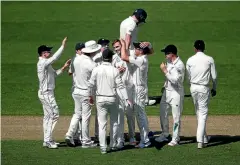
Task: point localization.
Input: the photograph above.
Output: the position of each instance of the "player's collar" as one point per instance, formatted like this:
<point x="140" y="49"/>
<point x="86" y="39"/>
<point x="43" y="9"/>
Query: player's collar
<point x="133" y="19"/>
<point x="175" y="61"/>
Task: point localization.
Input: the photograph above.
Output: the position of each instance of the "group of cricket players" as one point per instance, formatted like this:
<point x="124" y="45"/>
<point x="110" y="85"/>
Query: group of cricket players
<point x="115" y="82"/>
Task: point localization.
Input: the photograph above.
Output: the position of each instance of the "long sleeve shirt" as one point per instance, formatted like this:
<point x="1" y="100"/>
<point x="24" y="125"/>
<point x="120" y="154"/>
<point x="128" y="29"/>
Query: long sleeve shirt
<point x="46" y="73"/>
<point x="175" y="75"/>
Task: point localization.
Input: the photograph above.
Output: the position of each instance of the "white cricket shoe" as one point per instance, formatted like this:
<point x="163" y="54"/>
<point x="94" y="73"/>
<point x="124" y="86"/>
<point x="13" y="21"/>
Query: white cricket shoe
<point x="173" y="143"/>
<point x="70" y="142"/>
<point x="45" y="143"/>
<point x="150" y="102"/>
<point x="201" y="145"/>
<point x="51" y="145"/>
<point x="120" y="145"/>
<point x="132" y="141"/>
<point x="89" y="145"/>
<point x="103" y="151"/>
<point x="143" y="145"/>
<point x="206" y="139"/>
<point x="161" y="138"/>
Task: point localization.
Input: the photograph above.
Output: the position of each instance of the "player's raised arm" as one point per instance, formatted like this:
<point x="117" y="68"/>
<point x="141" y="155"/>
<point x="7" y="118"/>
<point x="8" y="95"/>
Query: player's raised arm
<point x="124" y="54"/>
<point x="57" y="54"/>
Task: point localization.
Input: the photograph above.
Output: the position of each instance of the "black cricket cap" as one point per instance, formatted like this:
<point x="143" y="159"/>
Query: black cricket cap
<point x="141" y="15"/>
<point x="79" y="46"/>
<point x="199" y="45"/>
<point x="43" y="48"/>
<point x="103" y="41"/>
<point x="170" y="49"/>
<point x="107" y="54"/>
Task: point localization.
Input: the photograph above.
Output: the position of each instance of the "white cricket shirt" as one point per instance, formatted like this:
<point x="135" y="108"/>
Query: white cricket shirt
<point x="106" y="79"/>
<point x="46" y="73"/>
<point x="200" y="67"/>
<point x="175" y="75"/>
<point x="129" y="26"/>
<point x="140" y="70"/>
<point x="83" y="66"/>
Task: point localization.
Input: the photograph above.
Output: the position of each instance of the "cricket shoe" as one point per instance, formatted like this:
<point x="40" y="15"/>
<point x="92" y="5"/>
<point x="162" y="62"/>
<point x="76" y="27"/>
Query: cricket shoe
<point x="51" y="145"/>
<point x="206" y="139"/>
<point x="161" y="138"/>
<point x="150" y="102"/>
<point x="89" y="145"/>
<point x="143" y="145"/>
<point x="103" y="150"/>
<point x="173" y="143"/>
<point x="201" y="145"/>
<point x="45" y="143"/>
<point x="132" y="142"/>
<point x="69" y="141"/>
<point x="120" y="145"/>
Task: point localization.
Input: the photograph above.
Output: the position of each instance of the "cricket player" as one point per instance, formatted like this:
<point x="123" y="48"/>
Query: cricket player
<point x="128" y="32"/>
<point x="46" y="77"/>
<point x="173" y="94"/>
<point x="201" y="68"/>
<point x="106" y="78"/>
<point x="138" y="57"/>
<point x="122" y="66"/>
<point x="83" y="66"/>
<point x="98" y="59"/>
<point x="77" y="137"/>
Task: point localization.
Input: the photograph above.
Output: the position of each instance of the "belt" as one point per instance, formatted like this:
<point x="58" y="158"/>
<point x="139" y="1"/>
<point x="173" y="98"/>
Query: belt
<point x="198" y="84"/>
<point x="106" y="95"/>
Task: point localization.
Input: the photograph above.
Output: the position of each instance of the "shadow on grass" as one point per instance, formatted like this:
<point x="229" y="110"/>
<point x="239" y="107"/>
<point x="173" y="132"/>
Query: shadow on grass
<point x="215" y="140"/>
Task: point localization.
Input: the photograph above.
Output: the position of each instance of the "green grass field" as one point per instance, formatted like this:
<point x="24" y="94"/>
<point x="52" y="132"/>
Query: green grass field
<point x="26" y="25"/>
<point x="184" y="154"/>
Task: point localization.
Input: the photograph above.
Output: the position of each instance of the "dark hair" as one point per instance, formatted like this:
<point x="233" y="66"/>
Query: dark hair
<point x="115" y="41"/>
<point x="199" y="45"/>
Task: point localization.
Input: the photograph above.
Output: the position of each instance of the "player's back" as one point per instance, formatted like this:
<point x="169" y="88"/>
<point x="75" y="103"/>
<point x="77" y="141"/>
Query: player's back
<point x="128" y="26"/>
<point x="83" y="66"/>
<point x="105" y="79"/>
<point x="199" y="67"/>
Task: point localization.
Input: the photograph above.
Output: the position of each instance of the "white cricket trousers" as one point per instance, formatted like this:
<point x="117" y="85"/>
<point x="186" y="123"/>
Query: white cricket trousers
<point x="82" y="111"/>
<point x="139" y="108"/>
<point x="51" y="113"/>
<point x="107" y="105"/>
<point x="171" y="100"/>
<point x="129" y="114"/>
<point x="201" y="101"/>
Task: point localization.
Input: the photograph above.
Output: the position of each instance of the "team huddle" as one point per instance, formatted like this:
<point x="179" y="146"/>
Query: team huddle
<point x="116" y="82"/>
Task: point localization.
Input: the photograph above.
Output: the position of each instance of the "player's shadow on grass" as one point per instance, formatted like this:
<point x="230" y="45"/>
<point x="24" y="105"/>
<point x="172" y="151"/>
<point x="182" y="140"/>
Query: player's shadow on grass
<point x="215" y="140"/>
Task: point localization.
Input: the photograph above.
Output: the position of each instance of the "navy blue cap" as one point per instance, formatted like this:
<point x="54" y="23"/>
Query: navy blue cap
<point x="170" y="49"/>
<point x="79" y="46"/>
<point x="199" y="45"/>
<point x="43" y="48"/>
<point x="107" y="54"/>
<point x="103" y="41"/>
<point x="141" y="15"/>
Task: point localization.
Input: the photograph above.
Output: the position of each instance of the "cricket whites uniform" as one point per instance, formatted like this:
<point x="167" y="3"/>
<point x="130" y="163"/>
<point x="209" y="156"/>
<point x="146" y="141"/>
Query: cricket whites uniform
<point x="78" y="135"/>
<point x="172" y="98"/>
<point x="200" y="69"/>
<point x="140" y="70"/>
<point x="129" y="26"/>
<point x="107" y="79"/>
<point x="46" y="76"/>
<point x="127" y="81"/>
<point x="83" y="66"/>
